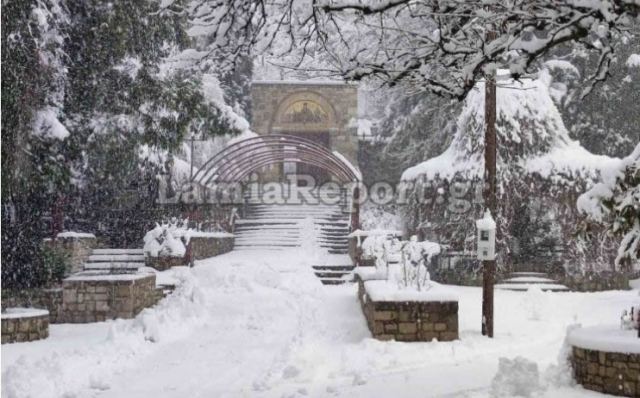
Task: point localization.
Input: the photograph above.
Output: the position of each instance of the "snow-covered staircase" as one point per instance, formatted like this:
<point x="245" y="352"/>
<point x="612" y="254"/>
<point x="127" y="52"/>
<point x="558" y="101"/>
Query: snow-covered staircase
<point x="288" y="226"/>
<point x="522" y="281"/>
<point x="115" y="260"/>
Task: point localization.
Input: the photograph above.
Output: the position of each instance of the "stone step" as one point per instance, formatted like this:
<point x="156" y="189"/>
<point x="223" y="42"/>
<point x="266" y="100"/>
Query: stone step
<point x="337" y="223"/>
<point x="339" y="242"/>
<point x="334" y="281"/>
<point x="297" y="209"/>
<point x="265" y="245"/>
<point x="532" y="274"/>
<point x="331" y="274"/>
<point x="245" y="221"/>
<point x="523" y="287"/>
<point x="115" y="258"/>
<point x="112" y="266"/>
<point x="529" y="279"/>
<point x="110" y="251"/>
<point x="296" y="242"/>
<point x="259" y="228"/>
<point x="338" y="268"/>
<point x="299" y="213"/>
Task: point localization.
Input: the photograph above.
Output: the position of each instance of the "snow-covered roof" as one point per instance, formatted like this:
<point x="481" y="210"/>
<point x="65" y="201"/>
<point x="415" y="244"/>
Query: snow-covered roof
<point x="530" y="133"/>
<point x="486" y="223"/>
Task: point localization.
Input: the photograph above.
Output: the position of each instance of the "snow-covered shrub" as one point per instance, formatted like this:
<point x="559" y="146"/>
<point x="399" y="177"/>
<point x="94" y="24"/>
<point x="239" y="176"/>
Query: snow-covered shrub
<point x="415" y="258"/>
<point x="167" y="239"/>
<point x="516" y="377"/>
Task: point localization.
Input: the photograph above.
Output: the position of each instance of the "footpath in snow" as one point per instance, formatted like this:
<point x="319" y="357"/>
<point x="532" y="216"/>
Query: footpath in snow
<point x="260" y="324"/>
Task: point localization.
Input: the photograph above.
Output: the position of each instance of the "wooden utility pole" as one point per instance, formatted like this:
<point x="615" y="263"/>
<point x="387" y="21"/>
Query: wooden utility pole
<point x="489" y="192"/>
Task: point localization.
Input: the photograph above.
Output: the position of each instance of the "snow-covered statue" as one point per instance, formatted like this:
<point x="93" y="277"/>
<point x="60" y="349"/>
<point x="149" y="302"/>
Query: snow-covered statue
<point x="629" y="319"/>
<point x="415" y="257"/>
<point x="376" y="247"/>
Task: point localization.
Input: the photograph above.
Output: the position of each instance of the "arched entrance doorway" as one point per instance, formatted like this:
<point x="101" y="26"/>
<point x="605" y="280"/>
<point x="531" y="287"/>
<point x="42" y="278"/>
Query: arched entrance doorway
<point x="324" y="113"/>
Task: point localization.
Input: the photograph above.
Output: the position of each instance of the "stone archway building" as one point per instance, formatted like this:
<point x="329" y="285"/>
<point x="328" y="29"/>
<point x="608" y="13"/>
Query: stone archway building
<point x="324" y="112"/>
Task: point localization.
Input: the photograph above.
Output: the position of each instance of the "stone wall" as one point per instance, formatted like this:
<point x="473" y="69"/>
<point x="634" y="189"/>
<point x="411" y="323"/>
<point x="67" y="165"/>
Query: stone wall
<point x="47" y="299"/>
<point x="588" y="282"/>
<point x="91" y="297"/>
<point x="205" y="247"/>
<point x="409" y="321"/>
<point x="34" y="325"/>
<point x="77" y="248"/>
<point x="606" y="372"/>
<point x="596" y="282"/>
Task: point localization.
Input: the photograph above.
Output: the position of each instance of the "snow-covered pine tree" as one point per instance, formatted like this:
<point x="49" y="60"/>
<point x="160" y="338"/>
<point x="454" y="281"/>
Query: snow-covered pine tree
<point x="99" y="94"/>
<point x="538" y="165"/>
<point x="604" y="121"/>
<point x="615" y="202"/>
<point x="33" y="164"/>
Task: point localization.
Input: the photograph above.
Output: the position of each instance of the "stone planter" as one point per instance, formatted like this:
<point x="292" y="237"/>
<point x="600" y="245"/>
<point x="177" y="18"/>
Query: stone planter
<point x="163" y="263"/>
<point x="49" y="299"/>
<point x="606" y="360"/>
<point x="92" y="297"/>
<point x="406" y="316"/>
<point x="209" y="244"/>
<point x="24" y="324"/>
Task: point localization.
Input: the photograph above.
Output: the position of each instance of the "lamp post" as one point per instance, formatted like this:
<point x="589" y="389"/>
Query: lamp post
<point x="489" y="192"/>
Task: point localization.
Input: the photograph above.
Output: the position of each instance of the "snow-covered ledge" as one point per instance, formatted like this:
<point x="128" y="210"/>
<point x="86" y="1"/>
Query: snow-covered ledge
<point x="606" y="359"/>
<point x="24" y="324"/>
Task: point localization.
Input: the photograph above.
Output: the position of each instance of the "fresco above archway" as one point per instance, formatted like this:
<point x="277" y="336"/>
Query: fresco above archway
<point x="304" y="112"/>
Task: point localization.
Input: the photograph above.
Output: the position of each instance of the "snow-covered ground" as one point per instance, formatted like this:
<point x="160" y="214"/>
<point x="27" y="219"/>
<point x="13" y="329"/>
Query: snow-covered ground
<point x="260" y="324"/>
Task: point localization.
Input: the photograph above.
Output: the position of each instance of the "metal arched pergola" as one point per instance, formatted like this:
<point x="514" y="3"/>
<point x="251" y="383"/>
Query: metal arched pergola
<point x="237" y="161"/>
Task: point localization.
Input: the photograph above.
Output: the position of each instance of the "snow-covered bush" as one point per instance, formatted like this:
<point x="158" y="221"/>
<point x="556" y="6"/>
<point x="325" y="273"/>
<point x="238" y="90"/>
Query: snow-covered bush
<point x="415" y="258"/>
<point x="167" y="239"/>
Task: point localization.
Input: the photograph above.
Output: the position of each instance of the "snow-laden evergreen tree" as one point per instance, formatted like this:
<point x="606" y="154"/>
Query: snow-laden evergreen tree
<point x="615" y="201"/>
<point x="541" y="171"/>
<point x="33" y="149"/>
<point x="605" y="120"/>
<point x="100" y="95"/>
<point x="413" y="127"/>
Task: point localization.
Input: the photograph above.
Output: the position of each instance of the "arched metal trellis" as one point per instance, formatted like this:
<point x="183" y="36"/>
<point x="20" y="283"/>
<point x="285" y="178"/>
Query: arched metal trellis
<point x="237" y="161"/>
